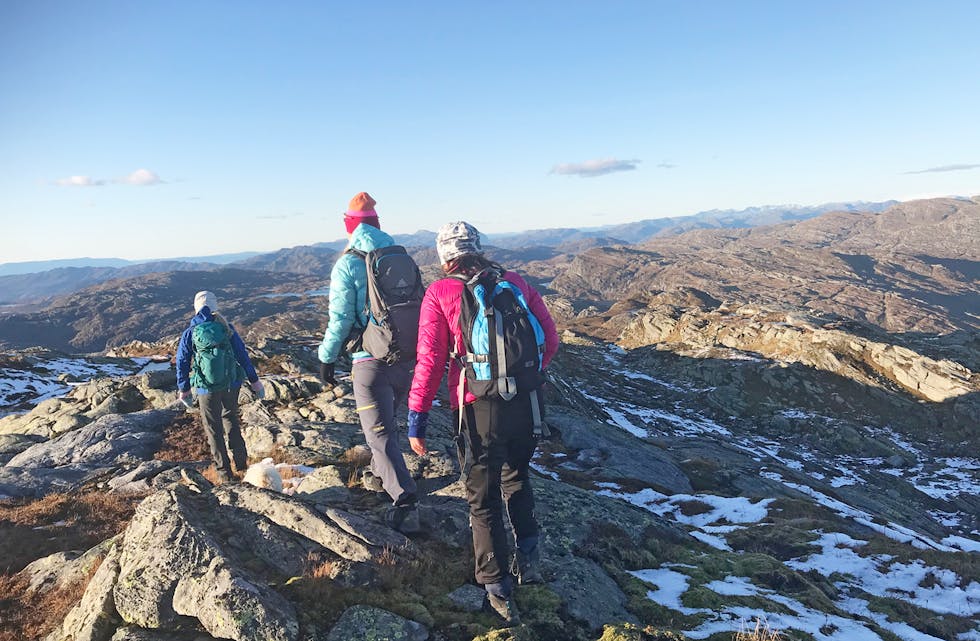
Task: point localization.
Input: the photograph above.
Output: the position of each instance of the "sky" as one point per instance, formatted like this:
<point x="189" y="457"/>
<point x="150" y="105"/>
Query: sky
<point x="154" y="129"/>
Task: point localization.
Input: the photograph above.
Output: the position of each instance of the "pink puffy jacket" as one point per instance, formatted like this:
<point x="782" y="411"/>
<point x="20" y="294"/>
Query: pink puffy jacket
<point x="439" y="324"/>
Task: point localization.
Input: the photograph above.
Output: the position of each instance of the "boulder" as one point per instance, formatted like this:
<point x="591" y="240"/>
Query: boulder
<point x="364" y="622"/>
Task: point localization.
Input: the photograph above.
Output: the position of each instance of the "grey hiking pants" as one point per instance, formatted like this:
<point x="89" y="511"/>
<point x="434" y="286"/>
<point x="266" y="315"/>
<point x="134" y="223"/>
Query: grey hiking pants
<point x="219" y="413"/>
<point x="379" y="389"/>
<point x="500" y="436"/>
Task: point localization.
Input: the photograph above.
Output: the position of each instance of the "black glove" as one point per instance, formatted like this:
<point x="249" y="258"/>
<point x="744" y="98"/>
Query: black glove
<point x="326" y="373"/>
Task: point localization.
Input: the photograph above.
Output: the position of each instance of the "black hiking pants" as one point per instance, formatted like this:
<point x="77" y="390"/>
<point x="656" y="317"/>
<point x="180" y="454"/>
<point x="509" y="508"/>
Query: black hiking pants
<point x="499" y="435"/>
<point x="379" y="389"/>
<point x="219" y="413"/>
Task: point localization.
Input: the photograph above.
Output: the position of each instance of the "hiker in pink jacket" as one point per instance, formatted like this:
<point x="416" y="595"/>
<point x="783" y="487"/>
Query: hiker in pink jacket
<point x="500" y="423"/>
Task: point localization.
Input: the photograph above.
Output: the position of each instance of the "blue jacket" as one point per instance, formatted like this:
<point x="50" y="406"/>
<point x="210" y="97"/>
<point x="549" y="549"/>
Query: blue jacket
<point x="348" y="293"/>
<point x="185" y="354"/>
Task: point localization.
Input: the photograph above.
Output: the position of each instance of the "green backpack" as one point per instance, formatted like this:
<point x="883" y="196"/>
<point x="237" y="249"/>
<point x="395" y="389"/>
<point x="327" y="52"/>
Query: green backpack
<point x="214" y="366"/>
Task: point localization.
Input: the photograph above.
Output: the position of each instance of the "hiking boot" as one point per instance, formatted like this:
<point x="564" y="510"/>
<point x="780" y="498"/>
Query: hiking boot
<point x="505" y="607"/>
<point x="404" y="518"/>
<point x="370" y="482"/>
<point x="225" y="477"/>
<point x="527" y="567"/>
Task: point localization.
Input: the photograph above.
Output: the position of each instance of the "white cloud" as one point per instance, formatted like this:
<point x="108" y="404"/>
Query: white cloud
<point x="945" y="168"/>
<point x="592" y="168"/>
<point x="141" y="177"/>
<point x="79" y="181"/>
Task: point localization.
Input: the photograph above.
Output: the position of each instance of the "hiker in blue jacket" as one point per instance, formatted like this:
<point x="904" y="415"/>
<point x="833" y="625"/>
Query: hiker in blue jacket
<point x="379" y="388"/>
<point x="216" y="373"/>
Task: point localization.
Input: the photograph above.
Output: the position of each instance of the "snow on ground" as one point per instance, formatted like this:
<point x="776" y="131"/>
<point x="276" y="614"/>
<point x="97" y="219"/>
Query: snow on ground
<point x="879" y="576"/>
<point x="859" y="607"/>
<point x="543" y="471"/>
<point x="963" y="543"/>
<point x="949" y="478"/>
<point x="671" y="586"/>
<point x="620" y="412"/>
<point x="893" y="531"/>
<point x="718" y="515"/>
<point x="22" y="388"/>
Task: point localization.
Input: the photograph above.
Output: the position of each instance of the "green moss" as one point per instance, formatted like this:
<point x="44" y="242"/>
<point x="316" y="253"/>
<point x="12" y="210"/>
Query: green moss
<point x="631" y="632"/>
<point x="781" y="541"/>
<point x="518" y="633"/>
<point x="926" y="621"/>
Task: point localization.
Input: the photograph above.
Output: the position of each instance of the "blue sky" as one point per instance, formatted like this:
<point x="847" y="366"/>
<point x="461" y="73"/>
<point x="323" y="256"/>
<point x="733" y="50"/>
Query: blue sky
<point x="153" y="129"/>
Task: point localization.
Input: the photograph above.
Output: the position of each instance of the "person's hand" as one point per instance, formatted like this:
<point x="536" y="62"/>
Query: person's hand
<point x="185" y="398"/>
<point x="327" y="373"/>
<point x="259" y="389"/>
<point x="418" y="445"/>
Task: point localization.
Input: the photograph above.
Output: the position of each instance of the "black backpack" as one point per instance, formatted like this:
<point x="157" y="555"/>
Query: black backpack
<point x="504" y="340"/>
<point x="394" y="297"/>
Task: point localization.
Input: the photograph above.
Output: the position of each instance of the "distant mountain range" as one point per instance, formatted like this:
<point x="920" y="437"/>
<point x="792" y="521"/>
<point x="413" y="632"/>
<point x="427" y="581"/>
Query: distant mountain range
<point x="30" y="285"/>
<point x="913" y="268"/>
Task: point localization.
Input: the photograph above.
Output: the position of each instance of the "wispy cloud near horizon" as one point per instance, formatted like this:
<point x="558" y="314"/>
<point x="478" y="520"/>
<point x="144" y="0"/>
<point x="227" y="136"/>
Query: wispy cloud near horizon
<point x="139" y="178"/>
<point x="79" y="181"/>
<point x="944" y="168"/>
<point x="593" y="168"/>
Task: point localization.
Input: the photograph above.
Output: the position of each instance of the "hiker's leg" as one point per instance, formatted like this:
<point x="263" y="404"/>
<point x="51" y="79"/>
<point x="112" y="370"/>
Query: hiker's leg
<point x="210" y="405"/>
<point x="233" y="428"/>
<point x="374" y="395"/>
<point x="517" y="427"/>
<point x="490" y="548"/>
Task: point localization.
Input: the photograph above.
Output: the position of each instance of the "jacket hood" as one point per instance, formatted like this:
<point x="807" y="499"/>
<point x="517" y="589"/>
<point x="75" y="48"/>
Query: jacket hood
<point x="202" y="316"/>
<point x="366" y="237"/>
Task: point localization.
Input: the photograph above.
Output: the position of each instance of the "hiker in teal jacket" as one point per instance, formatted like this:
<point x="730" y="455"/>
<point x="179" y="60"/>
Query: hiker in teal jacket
<point x="379" y="388"/>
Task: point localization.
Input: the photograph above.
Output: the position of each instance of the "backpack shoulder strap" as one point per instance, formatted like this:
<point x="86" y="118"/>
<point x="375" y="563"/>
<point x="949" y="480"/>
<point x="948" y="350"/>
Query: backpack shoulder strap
<point x="356" y="252"/>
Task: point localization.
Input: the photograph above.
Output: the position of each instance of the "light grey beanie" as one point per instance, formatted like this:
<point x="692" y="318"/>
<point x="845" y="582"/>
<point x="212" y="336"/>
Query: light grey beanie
<point x="205" y="299"/>
<point x="457" y="239"/>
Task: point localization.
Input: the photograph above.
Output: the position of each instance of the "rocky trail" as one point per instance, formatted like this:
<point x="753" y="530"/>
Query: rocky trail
<point x="692" y="488"/>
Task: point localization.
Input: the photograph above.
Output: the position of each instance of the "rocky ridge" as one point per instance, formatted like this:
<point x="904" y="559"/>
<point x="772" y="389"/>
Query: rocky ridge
<point x="656" y="468"/>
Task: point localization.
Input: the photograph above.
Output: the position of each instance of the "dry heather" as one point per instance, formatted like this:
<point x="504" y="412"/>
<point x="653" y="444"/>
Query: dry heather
<point x="29" y="616"/>
<point x="33" y="529"/>
<point x="184" y="440"/>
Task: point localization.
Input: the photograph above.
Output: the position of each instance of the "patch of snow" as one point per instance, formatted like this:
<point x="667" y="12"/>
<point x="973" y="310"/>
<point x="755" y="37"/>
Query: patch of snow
<point x="608" y="485"/>
<point x="893" y="531"/>
<point x="726" y="513"/>
<point x="671" y="585"/>
<point x="543" y="471"/>
<point x="903" y="631"/>
<point x="963" y="543"/>
<point x="897" y="580"/>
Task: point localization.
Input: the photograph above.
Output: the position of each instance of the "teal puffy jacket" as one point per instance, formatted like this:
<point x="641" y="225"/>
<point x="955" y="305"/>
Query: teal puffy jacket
<point x="348" y="292"/>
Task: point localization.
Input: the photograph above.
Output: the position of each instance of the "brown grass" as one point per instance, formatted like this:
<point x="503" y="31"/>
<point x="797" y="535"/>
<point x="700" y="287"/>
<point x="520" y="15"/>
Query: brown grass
<point x="318" y="568"/>
<point x="288" y="473"/>
<point x="211" y="474"/>
<point x="31" y="616"/>
<point x="355" y="458"/>
<point x="760" y="632"/>
<point x="184" y="440"/>
<point x="32" y="529"/>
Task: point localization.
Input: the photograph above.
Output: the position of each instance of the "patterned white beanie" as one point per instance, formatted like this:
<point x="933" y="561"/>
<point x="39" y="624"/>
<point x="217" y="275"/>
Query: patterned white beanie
<point x="457" y="239"/>
<point x="205" y="299"/>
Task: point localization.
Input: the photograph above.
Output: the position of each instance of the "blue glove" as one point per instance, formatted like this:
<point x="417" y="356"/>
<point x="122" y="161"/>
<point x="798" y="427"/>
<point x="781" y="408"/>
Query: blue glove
<point x="417" y="422"/>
